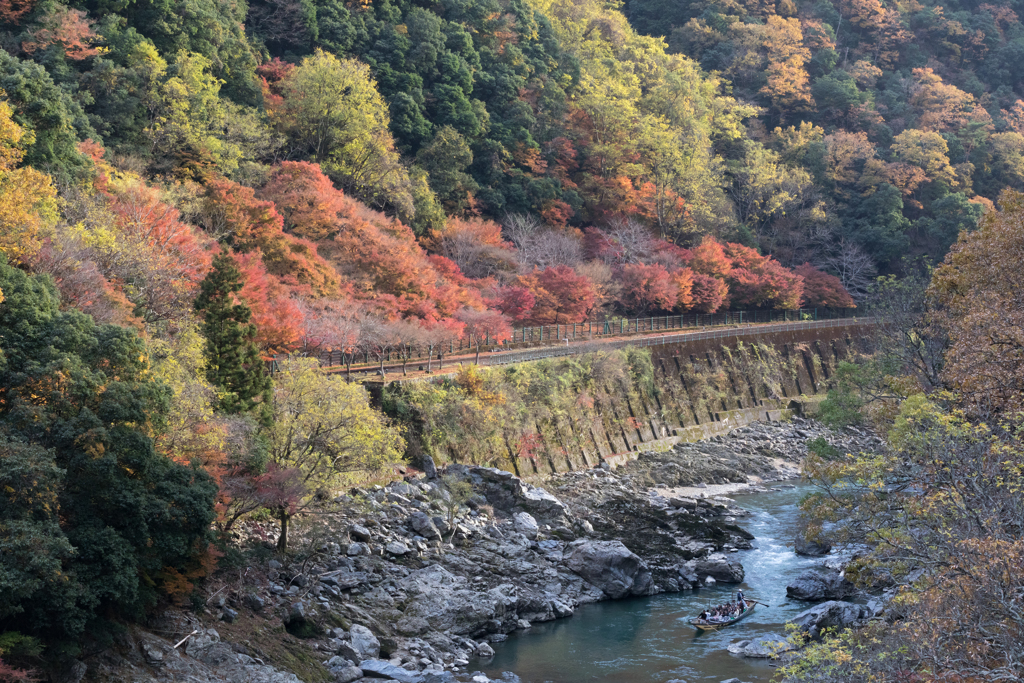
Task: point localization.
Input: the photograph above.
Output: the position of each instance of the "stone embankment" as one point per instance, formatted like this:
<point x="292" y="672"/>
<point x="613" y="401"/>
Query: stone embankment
<point x="404" y="583"/>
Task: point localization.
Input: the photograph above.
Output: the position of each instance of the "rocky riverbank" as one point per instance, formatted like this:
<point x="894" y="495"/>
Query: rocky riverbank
<point x="413" y="581"/>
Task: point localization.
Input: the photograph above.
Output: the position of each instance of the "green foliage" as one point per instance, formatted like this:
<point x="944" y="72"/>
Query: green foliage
<point x="820" y="447"/>
<point x="492" y="416"/>
<point x="326" y="435"/>
<point x="94" y="521"/>
<point x="844" y="403"/>
<point x="333" y="113"/>
<point x="50" y="114"/>
<point x="446" y="159"/>
<point x="235" y="365"/>
<point x="641" y="371"/>
<point x="455" y="493"/>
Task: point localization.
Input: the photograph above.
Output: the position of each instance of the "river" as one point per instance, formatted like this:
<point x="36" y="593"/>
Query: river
<point x="647" y="640"/>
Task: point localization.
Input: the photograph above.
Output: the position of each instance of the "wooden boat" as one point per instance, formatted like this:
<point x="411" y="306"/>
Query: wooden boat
<point x="701" y="625"/>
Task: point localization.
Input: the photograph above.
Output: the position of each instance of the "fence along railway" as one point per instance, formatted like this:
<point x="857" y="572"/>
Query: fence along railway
<point x="547" y="341"/>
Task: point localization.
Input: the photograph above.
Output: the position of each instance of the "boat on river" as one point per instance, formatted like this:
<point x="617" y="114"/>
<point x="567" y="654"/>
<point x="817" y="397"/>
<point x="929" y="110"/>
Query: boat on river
<point x="706" y="625"/>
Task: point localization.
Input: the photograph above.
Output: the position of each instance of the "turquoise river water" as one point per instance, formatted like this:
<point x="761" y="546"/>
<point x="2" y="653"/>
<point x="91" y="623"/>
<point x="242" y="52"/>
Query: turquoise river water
<point x="648" y="640"/>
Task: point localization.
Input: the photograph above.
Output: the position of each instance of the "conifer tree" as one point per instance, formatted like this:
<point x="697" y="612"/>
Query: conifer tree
<point x="235" y="365"/>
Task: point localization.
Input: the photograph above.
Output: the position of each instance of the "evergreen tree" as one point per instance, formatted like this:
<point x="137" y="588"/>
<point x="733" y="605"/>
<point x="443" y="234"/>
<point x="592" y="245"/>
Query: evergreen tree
<point x="95" y="524"/>
<point x="235" y="365"/>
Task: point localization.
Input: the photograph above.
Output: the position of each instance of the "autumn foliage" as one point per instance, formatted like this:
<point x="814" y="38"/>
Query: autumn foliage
<point x="982" y="308"/>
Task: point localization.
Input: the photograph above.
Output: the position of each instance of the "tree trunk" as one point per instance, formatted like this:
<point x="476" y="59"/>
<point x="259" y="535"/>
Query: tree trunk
<point x="440" y="362"/>
<point x="478" y="354"/>
<point x="282" y="540"/>
<point x="430" y="356"/>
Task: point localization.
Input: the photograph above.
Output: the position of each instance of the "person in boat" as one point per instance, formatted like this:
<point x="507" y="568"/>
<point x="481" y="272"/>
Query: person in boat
<point x="741" y="601"/>
<point x="703" y="617"/>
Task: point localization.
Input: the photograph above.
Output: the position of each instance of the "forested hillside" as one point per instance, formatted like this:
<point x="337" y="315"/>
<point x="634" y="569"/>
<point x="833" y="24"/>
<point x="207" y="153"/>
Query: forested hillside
<point x="900" y="121"/>
<point x="188" y="187"/>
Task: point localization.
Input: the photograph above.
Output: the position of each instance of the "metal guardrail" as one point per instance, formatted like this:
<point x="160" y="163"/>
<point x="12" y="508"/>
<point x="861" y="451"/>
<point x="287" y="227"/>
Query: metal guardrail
<point x="510" y="357"/>
<point x="532" y="340"/>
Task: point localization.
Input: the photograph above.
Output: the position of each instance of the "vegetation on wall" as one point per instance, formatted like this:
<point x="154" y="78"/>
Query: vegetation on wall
<point x="502" y="416"/>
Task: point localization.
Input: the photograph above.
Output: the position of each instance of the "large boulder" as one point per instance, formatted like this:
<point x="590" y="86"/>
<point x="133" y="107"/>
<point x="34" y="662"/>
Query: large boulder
<point x="526" y="525"/>
<point x="819" y="585"/>
<point x="717" y="566"/>
<point x="610" y="566"/>
<point x="508" y="492"/>
<point x="762" y="647"/>
<point x="423" y="525"/>
<point x="446" y="603"/>
<point x="831" y="614"/>
<point x="364" y="642"/>
<point x="811" y="548"/>
<point x="376" y="668"/>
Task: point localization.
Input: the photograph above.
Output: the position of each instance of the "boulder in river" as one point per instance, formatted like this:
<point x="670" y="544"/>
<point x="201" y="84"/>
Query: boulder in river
<point x="762" y="647"/>
<point x="818" y="585"/>
<point x="715" y="565"/>
<point x="811" y="548"/>
<point x="610" y="566"/>
<point x="831" y="614"/>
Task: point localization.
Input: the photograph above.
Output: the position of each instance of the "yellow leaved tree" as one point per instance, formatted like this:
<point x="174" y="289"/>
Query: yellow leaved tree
<point x="326" y="435"/>
<point x="28" y="200"/>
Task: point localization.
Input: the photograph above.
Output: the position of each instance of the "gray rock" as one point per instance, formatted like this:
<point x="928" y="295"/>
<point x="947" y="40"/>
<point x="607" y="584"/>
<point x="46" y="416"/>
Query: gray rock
<point x="73" y="673"/>
<point x="429" y="468"/>
<point x="811" y="548"/>
<point x="412" y="626"/>
<point x="364" y="642"/>
<point x="274" y="564"/>
<point x="421" y="523"/>
<point x="154" y="654"/>
<point x="817" y="585"/>
<point x="526" y="525"/>
<point x="762" y="647"/>
<point x="560" y="609"/>
<point x="439" y="677"/>
<point x="396" y="548"/>
<point x="346" y="650"/>
<point x="355" y="549"/>
<point x="831" y="614"/>
<point x="484" y="650"/>
<point x="297" y="612"/>
<point x="347" y="674"/>
<point x="229" y="615"/>
<point x="610" y="566"/>
<point x="493" y="474"/>
<point x="717" y="566"/>
<point x="375" y="668"/>
<point x="359" y="532"/>
<point x="254" y="602"/>
<point x="444" y="601"/>
<point x="540" y="502"/>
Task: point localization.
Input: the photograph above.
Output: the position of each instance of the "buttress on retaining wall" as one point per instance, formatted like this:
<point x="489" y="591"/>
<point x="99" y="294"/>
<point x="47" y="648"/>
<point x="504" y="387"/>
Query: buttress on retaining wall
<point x="702" y="389"/>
